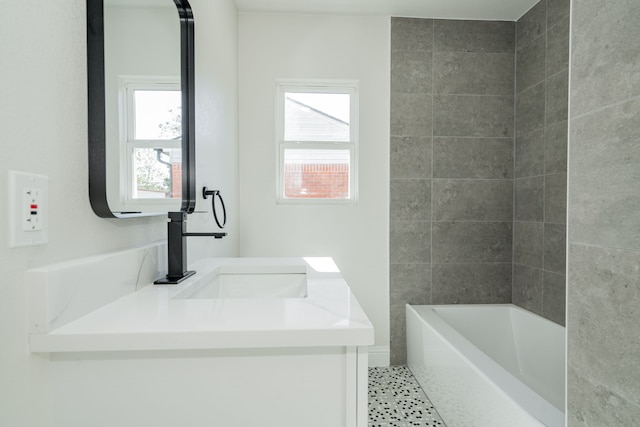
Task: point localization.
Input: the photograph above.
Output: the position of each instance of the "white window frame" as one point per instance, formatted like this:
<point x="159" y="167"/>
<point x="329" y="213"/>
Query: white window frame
<point x="350" y="87"/>
<point x="128" y="142"/>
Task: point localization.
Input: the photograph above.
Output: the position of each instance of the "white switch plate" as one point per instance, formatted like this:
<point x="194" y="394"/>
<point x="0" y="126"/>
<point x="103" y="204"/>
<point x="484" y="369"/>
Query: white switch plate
<point x="28" y="208"/>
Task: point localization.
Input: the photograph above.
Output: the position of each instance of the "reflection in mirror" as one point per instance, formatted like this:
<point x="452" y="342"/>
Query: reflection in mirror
<point x="138" y="106"/>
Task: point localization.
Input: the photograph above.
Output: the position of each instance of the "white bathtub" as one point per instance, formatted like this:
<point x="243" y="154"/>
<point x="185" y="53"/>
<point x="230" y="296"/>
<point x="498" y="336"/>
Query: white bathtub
<point x="488" y="365"/>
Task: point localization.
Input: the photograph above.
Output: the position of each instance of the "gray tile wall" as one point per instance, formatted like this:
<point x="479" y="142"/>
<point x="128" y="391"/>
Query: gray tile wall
<point x="452" y="126"/>
<point x="603" y="322"/>
<point x="542" y="61"/>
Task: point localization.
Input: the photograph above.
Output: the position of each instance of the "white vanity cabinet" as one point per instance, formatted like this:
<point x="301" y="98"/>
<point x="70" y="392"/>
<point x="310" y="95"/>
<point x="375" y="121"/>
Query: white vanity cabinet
<point x="127" y="354"/>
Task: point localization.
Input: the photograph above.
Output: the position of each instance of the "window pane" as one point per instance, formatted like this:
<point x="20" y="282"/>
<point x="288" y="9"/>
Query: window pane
<point x="316" y="116"/>
<point x="316" y="174"/>
<point x="157" y="173"/>
<point x="157" y="114"/>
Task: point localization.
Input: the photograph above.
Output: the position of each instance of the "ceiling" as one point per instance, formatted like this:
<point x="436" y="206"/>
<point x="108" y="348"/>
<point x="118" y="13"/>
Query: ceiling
<point x="500" y="10"/>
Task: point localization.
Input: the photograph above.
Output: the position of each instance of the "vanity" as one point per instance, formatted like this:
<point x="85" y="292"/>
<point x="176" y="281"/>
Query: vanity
<point x="229" y="342"/>
<point x="244" y="342"/>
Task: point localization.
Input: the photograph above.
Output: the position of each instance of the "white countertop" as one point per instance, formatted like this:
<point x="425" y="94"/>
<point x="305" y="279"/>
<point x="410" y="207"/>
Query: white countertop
<point x="151" y="319"/>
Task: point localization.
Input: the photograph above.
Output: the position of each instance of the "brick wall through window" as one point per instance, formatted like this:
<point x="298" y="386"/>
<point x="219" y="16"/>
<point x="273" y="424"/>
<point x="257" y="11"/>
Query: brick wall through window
<point x="325" y="181"/>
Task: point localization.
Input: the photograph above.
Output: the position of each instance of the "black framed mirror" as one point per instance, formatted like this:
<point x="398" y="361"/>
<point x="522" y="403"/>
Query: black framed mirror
<point x="141" y="103"/>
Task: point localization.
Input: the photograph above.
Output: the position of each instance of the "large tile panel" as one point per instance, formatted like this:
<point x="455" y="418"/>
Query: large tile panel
<point x="605" y="54"/>
<point x="558" y="47"/>
<point x="556" y="11"/>
<point x="555" y="197"/>
<point x="555" y="147"/>
<point x="604" y="308"/>
<point x="411" y="34"/>
<point x="554" y="297"/>
<point x="410" y="242"/>
<point x="532" y="24"/>
<point x="475" y="200"/>
<point x="484" y="283"/>
<point x="411" y="72"/>
<point x="410" y="157"/>
<point x="529" y="199"/>
<point x="411" y="114"/>
<point x="473" y="115"/>
<point x="555" y="244"/>
<point x="527" y="288"/>
<point x="465" y="242"/>
<point x="528" y="243"/>
<point x="530" y="153"/>
<point x="410" y="284"/>
<point x="604" y="179"/>
<point x="473" y="36"/>
<point x="557" y="97"/>
<point x="474" y="158"/>
<point x="410" y="200"/>
<point x="398" y="332"/>
<point x="473" y="73"/>
<point x="530" y="109"/>
<point x="531" y="61"/>
<point x="590" y="403"/>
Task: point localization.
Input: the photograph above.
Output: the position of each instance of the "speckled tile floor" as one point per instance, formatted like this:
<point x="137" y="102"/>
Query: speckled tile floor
<point x="397" y="400"/>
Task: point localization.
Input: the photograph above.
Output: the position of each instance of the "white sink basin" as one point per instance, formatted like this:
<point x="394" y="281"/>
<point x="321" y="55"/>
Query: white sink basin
<point x="249" y="282"/>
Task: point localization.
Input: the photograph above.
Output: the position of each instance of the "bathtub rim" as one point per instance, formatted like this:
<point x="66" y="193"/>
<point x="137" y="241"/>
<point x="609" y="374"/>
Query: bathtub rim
<point x="497" y="376"/>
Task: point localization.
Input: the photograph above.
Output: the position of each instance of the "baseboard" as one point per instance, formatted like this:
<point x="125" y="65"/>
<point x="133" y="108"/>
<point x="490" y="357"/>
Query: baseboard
<point x="379" y="356"/>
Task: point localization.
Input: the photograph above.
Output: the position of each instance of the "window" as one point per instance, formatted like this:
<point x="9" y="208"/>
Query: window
<point x="152" y="137"/>
<point x="317" y="141"/>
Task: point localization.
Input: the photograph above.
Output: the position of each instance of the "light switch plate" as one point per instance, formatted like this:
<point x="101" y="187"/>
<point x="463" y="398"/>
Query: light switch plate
<point x="28" y="209"/>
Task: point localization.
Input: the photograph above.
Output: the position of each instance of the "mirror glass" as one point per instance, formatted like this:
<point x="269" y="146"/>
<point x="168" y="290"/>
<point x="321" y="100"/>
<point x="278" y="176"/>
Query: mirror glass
<point x="140" y="140"/>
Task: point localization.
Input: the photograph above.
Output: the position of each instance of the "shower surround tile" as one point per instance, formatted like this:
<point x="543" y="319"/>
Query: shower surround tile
<point x="531" y="25"/>
<point x="598" y="66"/>
<point x="556" y="10"/>
<point x="527" y="288"/>
<point x="604" y="168"/>
<point x="410" y="200"/>
<point x="530" y="154"/>
<point x="479" y="283"/>
<point x="411" y="72"/>
<point x="558" y="47"/>
<point x="473" y="115"/>
<point x="473" y="36"/>
<point x="410" y="157"/>
<point x="459" y="140"/>
<point x="411" y="34"/>
<point x="473" y="158"/>
<point x="554" y="297"/>
<point x="530" y="109"/>
<point x="410" y="284"/>
<point x="407" y="242"/>
<point x="528" y="243"/>
<point x="554" y="248"/>
<point x="555" y="147"/>
<point x="473" y="73"/>
<point x="541" y="157"/>
<point x="531" y="64"/>
<point x="529" y="199"/>
<point x="472" y="200"/>
<point x="412" y="114"/>
<point x="557" y="97"/>
<point x="471" y="242"/>
<point x="555" y="198"/>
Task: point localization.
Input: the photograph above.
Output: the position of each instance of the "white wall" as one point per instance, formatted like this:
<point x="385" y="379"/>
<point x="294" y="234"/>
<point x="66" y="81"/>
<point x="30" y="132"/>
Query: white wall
<point x="43" y="115"/>
<point x="216" y="43"/>
<point x="318" y="47"/>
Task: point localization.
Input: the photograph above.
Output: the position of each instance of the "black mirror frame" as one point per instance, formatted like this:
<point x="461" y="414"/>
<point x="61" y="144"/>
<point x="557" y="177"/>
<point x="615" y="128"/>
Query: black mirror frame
<point x="96" y="110"/>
